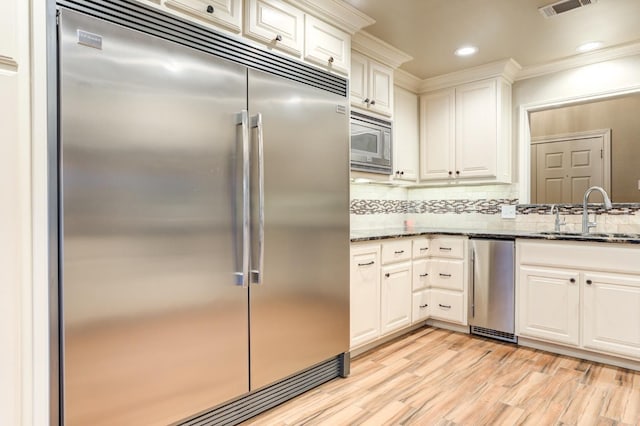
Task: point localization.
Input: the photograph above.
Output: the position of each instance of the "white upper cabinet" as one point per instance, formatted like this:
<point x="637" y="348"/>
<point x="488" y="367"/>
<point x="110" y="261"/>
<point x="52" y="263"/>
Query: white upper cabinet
<point x="224" y="13"/>
<point x="466" y="133"/>
<point x="8" y="33"/>
<point x="405" y="135"/>
<point x="275" y="23"/>
<point x="371" y="85"/>
<point x="437" y="135"/>
<point x="326" y="45"/>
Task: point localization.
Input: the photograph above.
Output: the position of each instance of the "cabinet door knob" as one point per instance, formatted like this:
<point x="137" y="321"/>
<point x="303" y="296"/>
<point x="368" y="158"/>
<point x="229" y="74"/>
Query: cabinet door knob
<point x="210" y="9"/>
<point x="450" y="172"/>
<point x="278" y="37"/>
<point x="373" y="102"/>
<point x="589" y="282"/>
<point x="387" y="275"/>
<point x="331" y="59"/>
<point x="572" y="280"/>
<point x="401" y="173"/>
<point x="458" y="172"/>
<point x="366" y="100"/>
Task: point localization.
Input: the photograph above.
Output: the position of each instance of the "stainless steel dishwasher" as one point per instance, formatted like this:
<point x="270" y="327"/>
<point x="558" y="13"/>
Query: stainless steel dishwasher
<point x="492" y="293"/>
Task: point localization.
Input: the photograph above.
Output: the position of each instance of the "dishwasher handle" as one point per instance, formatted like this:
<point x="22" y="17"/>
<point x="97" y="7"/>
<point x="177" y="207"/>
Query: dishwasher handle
<point x="473" y="281"/>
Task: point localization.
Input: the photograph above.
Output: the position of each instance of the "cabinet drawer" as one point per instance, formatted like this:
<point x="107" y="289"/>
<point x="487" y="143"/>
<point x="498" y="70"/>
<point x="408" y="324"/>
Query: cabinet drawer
<point x="420" y="309"/>
<point x="421" y="274"/>
<point x="420" y="247"/>
<point x="447" y="274"/>
<point x="447" y="306"/>
<point x="396" y="251"/>
<point x="276" y="23"/>
<point x="447" y="247"/>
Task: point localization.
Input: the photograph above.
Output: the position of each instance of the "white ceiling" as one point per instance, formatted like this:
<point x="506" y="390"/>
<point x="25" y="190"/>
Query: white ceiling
<point x="430" y="30"/>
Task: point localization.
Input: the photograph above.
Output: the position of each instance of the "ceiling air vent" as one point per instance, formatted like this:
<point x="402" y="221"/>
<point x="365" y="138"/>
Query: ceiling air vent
<point x="563" y="6"/>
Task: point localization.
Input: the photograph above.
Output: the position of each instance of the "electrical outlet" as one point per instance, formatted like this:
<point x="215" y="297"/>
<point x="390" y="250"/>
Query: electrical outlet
<point x="508" y="212"/>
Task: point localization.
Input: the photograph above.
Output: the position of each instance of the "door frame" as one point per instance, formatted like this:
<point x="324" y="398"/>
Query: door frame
<point x="587" y="134"/>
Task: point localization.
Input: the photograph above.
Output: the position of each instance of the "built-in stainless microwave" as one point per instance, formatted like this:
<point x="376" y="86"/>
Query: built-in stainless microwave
<point x="370" y="144"/>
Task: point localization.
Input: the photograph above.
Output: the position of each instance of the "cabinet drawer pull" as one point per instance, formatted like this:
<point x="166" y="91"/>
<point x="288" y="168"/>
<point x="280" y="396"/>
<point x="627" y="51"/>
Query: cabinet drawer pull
<point x="445" y="275"/>
<point x="424" y="306"/>
<point x="399" y="252"/>
<point x="210" y="9"/>
<point x="424" y="275"/>
<point x="366" y="264"/>
<point x="444" y="306"/>
<point x="424" y="248"/>
<point x="445" y="248"/>
<point x="589" y="282"/>
<point x="572" y="280"/>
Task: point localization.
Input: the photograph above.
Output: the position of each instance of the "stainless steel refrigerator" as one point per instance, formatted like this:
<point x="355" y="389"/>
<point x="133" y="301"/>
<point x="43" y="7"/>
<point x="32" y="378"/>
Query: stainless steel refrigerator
<point x="204" y="226"/>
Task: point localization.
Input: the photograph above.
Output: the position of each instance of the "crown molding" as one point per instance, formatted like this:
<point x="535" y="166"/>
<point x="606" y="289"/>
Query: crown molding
<point x="337" y="13"/>
<point x="8" y="64"/>
<point x="507" y="68"/>
<point x="580" y="60"/>
<point x="379" y="50"/>
<point x="407" y="81"/>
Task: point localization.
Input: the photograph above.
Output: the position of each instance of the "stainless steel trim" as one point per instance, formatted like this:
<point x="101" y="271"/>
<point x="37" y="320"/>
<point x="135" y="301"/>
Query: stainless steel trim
<point x="258" y="273"/>
<point x="243" y="120"/>
<point x="473" y="282"/>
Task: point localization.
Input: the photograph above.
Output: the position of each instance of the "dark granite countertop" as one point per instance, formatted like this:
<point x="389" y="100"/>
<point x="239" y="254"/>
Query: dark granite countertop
<point x="381" y="234"/>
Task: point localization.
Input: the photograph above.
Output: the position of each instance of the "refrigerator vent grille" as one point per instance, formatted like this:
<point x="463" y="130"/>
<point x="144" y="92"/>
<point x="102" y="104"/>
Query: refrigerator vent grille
<point x="494" y="334"/>
<point x="155" y="22"/>
<point x="266" y="398"/>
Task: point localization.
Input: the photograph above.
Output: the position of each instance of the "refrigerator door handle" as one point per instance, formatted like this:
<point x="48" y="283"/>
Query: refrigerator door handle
<point x="258" y="270"/>
<point x="243" y="120"/>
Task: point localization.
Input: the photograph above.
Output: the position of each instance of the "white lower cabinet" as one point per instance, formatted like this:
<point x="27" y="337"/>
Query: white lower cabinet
<point x="581" y="295"/>
<point x="395" y="300"/>
<point x="365" y="293"/>
<point x="549" y="305"/>
<point x="611" y="313"/>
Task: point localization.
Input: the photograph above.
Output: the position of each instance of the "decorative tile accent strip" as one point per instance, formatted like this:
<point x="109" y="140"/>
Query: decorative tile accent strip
<point x="490" y="207"/>
<point x="363" y="207"/>
<point x="619" y="209"/>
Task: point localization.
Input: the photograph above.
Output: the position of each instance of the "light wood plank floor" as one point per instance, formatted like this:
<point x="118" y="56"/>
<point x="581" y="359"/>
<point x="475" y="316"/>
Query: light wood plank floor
<point x="438" y="377"/>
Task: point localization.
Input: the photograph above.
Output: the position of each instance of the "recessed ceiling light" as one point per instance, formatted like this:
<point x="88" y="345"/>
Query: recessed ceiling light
<point x="466" y="51"/>
<point x="587" y="47"/>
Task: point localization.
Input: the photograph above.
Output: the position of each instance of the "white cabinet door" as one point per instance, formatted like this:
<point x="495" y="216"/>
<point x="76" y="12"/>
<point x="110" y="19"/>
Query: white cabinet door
<point x="437" y="135"/>
<point x="365" y="294"/>
<point x="396" y="299"/>
<point x="359" y="80"/>
<point x="405" y="135"/>
<point x="476" y="129"/>
<point x="548" y="304"/>
<point x="371" y="85"/>
<point x="225" y="13"/>
<point x="8" y="32"/>
<point x="276" y="23"/>
<point x="611" y="313"/>
<point x="380" y="88"/>
<point x="421" y="302"/>
<point x="448" y="306"/>
<point x="326" y="45"/>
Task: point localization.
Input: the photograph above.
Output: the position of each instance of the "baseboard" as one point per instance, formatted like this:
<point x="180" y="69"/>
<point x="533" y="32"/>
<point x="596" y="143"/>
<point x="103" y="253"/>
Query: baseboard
<point x="579" y="353"/>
